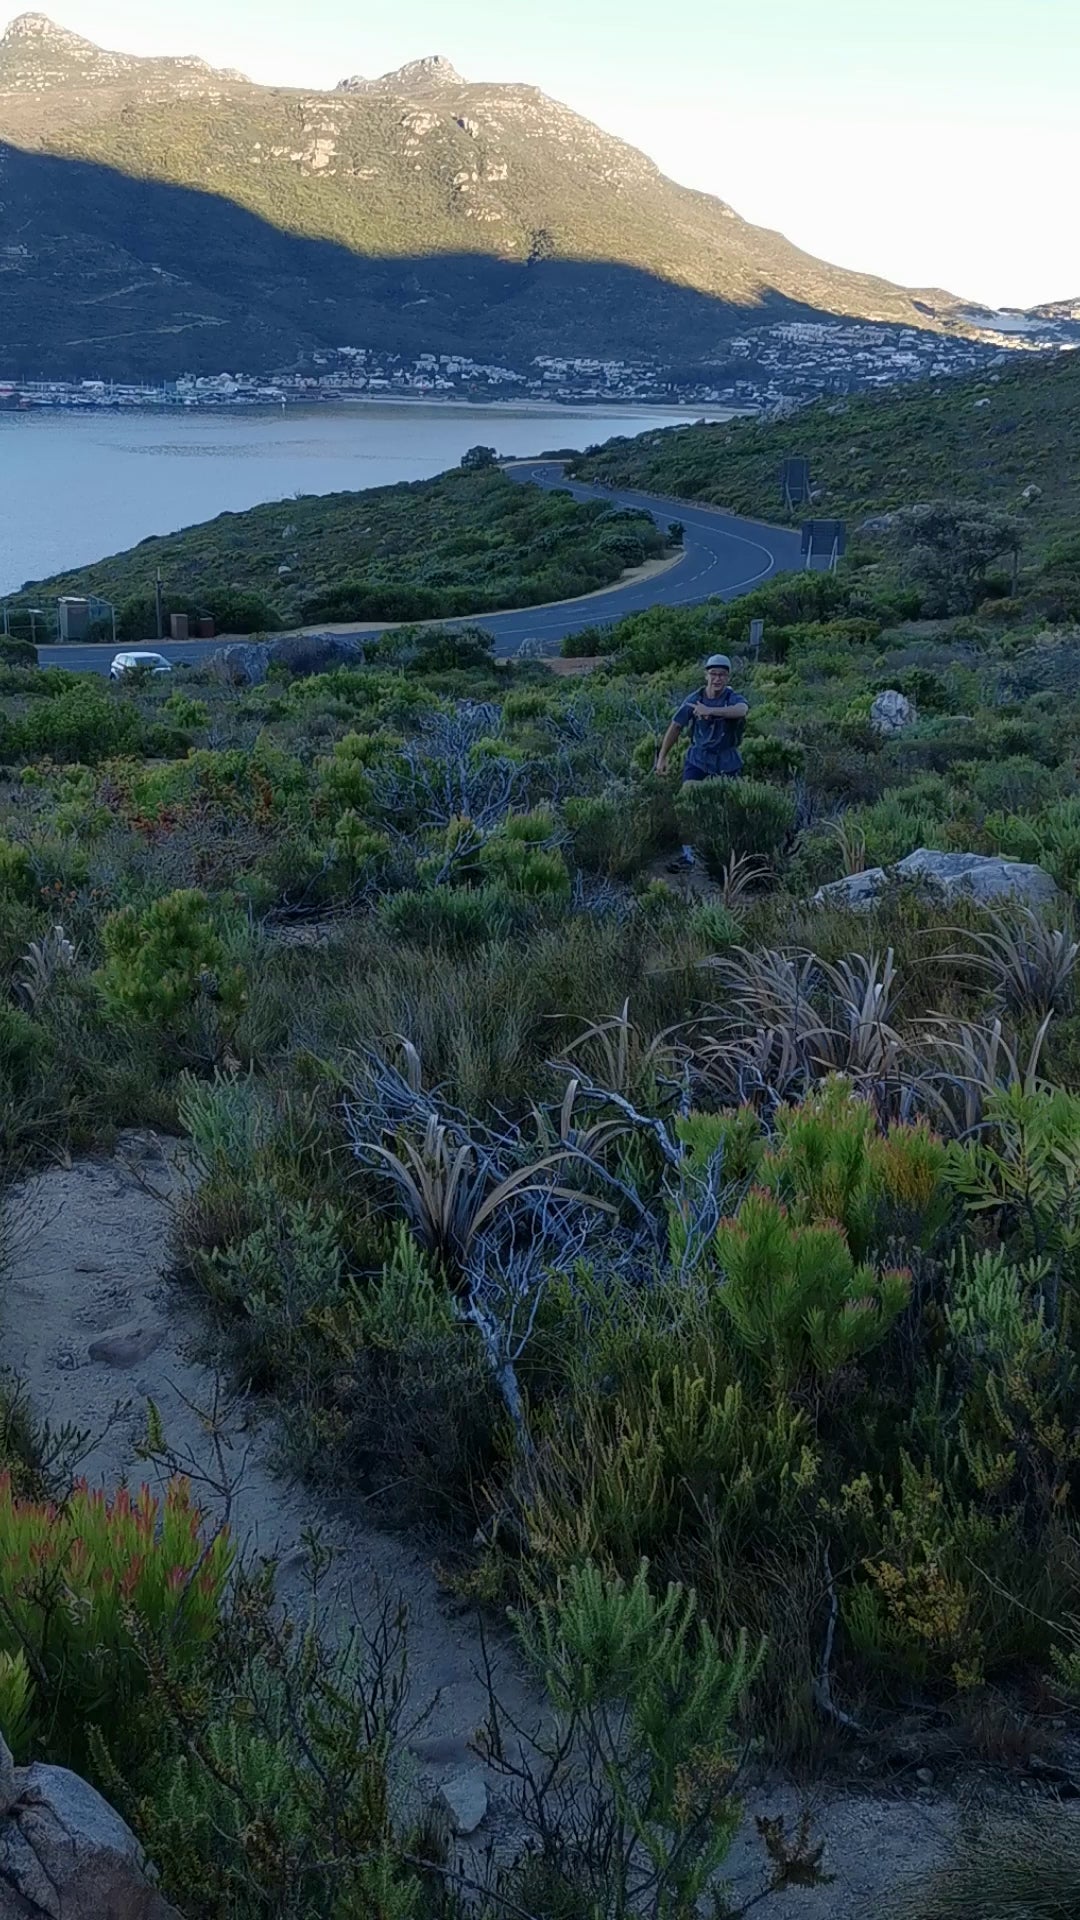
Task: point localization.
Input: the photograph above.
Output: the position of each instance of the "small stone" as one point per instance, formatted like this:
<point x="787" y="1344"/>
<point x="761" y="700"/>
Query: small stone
<point x="924" y="1776"/>
<point x="464" y="1800"/>
<point x="125" y="1346"/>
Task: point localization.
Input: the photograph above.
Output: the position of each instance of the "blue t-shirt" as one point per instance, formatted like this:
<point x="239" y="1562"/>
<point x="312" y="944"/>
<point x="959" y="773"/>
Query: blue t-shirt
<point x="714" y="743"/>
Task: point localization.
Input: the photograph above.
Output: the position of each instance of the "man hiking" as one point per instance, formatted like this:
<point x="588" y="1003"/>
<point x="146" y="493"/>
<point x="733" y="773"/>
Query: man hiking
<point x="716" y="718"/>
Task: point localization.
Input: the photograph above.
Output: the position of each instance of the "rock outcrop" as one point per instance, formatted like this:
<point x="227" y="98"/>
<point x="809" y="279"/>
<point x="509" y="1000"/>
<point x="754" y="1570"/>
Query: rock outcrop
<point x="891" y="712"/>
<point x="247" y="663"/>
<point x="971" y="876"/>
<point x="65" y="1854"/>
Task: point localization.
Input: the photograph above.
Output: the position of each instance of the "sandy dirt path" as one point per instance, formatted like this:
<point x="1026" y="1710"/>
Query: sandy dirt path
<point x="94" y="1327"/>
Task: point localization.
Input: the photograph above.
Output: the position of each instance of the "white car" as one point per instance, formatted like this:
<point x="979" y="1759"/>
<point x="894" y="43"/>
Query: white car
<point x="132" y="662"/>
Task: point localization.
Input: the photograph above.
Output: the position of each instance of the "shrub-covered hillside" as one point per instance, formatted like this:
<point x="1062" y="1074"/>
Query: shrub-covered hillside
<point x="428" y="549"/>
<point x="985" y="440"/>
<point x="694" y="1267"/>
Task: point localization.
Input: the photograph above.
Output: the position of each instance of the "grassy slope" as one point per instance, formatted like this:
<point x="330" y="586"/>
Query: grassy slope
<point x="878" y="452"/>
<point x="503" y="543"/>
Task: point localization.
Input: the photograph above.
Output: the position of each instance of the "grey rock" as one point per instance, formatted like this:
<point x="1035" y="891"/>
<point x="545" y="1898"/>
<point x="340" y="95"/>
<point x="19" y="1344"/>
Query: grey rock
<point x="538" y="646"/>
<point x="125" y="1346"/>
<point x="925" y="1776"/>
<point x="971" y="876"/>
<point x="65" y="1854"/>
<point x="1031" y="492"/>
<point x="240" y="665"/>
<point x="880" y="523"/>
<point x="247" y="663"/>
<point x="464" y="1800"/>
<point x="8" y="1789"/>
<point x="891" y="712"/>
<point x="855" y="890"/>
<point x="304" y="653"/>
<point x="979" y="876"/>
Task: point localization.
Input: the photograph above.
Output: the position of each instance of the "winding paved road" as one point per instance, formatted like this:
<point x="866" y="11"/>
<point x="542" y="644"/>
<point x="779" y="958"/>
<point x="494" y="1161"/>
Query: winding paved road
<point x="723" y="556"/>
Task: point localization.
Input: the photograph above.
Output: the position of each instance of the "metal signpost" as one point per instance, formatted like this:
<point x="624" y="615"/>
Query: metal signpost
<point x="823" y="540"/>
<point x="795" y="482"/>
<point x="757" y="628"/>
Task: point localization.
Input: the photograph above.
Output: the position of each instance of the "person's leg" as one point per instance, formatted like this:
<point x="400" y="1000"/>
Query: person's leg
<point x="690" y="773"/>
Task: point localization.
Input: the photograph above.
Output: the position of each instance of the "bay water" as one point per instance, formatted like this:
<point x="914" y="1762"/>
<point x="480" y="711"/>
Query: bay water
<point x="76" y="487"/>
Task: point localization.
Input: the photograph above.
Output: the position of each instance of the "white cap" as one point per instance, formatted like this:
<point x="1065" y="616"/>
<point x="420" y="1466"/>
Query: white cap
<point x="718" y="660"/>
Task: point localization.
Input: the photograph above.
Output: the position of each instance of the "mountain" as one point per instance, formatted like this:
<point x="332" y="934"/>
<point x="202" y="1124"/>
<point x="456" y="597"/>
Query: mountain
<point x="160" y="215"/>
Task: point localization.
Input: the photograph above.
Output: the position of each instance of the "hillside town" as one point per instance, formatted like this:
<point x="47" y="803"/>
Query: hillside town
<point x="762" y="368"/>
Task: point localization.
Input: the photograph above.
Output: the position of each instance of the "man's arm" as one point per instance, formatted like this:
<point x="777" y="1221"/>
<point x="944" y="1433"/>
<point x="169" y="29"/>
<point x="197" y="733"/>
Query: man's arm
<point x="666" y="746"/>
<point x="732" y="710"/>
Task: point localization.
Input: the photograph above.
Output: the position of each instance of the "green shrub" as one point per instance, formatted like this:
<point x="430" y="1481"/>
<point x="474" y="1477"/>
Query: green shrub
<point x="715" y="926"/>
<point x="17" y="653"/>
<point x="518" y="855"/>
<point x="83" y="722"/>
<point x="18" y="880"/>
<point x="890" y="830"/>
<point x="766" y="757"/>
<point x="447" y="916"/>
<point x="619" y="831"/>
<point x="81" y="1586"/>
<point x="725" y="817"/>
<point x="795" y="1298"/>
<point x="609" y="1650"/>
<point x="1015" y="784"/>
<point x="1011" y="1870"/>
<point x="186" y="712"/>
<point x="24" y="1049"/>
<point x="162" y="961"/>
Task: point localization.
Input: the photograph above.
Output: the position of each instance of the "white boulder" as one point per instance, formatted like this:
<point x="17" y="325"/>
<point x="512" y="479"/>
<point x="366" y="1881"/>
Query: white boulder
<point x="891" y="712"/>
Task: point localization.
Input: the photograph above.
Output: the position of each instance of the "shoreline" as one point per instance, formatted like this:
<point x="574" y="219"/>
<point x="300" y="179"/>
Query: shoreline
<point x="589" y="409"/>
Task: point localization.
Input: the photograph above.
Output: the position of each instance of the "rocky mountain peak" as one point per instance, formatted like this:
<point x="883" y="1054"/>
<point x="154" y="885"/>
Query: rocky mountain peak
<point x="29" y="30"/>
<point x="34" y="26"/>
<point x="423" y="76"/>
<point x="429" y="75"/>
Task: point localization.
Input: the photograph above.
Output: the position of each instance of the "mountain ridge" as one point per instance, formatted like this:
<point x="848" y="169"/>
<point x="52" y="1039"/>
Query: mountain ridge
<point x="472" y="189"/>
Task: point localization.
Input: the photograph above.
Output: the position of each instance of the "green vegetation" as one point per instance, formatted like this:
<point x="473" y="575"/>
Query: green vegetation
<point x="466" y="542"/>
<point x="988" y="441"/>
<point x="699" y="1270"/>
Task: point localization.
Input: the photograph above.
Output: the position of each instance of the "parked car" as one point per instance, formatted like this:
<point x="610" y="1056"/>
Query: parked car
<point x="134" y="662"/>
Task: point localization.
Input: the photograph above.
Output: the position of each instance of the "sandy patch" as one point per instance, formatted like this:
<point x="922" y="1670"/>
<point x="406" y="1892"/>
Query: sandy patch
<point x="95" y="1328"/>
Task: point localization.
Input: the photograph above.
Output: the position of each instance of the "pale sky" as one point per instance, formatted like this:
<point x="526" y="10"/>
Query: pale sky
<point x="932" y="141"/>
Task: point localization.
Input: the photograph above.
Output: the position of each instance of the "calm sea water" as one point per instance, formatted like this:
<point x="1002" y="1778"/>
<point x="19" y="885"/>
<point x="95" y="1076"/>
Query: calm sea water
<point x="76" y="488"/>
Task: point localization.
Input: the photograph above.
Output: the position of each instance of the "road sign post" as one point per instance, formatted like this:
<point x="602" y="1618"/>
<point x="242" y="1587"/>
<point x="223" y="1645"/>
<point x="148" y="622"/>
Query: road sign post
<point x="823" y="540"/>
<point x="757" y="628"/>
<point x="795" y="482"/>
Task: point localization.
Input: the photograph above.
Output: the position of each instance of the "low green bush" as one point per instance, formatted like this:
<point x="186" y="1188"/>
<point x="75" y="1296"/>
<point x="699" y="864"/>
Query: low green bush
<point x="17" y="653"/>
<point x="83" y="722"/>
<point x="725" y="817"/>
<point x="448" y="916"/>
<point x="162" y="963"/>
<point x="618" y="832"/>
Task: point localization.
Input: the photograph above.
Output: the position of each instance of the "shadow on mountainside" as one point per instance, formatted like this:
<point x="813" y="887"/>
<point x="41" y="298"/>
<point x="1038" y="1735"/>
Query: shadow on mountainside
<point x="102" y="273"/>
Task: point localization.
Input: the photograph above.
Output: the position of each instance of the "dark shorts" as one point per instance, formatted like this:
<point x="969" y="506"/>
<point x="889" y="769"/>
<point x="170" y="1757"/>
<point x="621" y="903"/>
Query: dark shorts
<point x="707" y="773"/>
